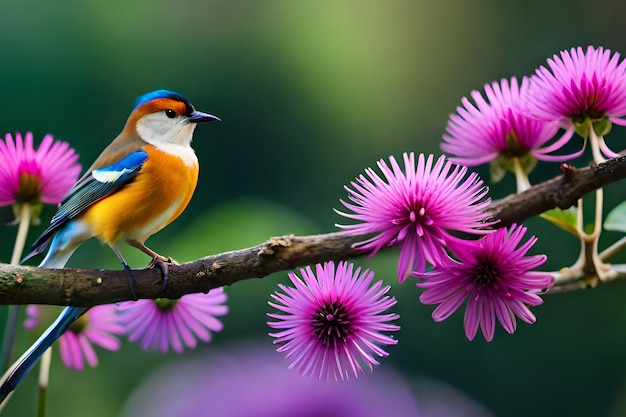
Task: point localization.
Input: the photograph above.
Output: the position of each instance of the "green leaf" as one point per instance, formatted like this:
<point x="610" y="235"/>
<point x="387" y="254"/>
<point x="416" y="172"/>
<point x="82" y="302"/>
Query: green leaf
<point x="565" y="219"/>
<point x="616" y="219"/>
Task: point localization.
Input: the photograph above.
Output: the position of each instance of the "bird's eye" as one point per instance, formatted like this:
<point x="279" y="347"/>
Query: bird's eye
<point x="170" y="113"/>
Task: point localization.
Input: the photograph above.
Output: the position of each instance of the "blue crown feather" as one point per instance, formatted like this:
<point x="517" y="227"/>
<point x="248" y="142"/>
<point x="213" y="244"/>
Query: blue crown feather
<point x="153" y="95"/>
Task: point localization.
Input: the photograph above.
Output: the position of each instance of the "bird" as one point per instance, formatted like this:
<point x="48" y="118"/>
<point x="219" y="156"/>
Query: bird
<point x="141" y="182"/>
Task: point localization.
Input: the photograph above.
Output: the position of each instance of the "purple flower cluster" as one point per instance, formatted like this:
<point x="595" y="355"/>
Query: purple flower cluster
<point x="422" y="208"/>
<point x="578" y="90"/>
<point x="426" y="203"/>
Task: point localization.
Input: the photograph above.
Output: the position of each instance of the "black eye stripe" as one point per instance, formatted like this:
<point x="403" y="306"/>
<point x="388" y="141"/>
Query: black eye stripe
<point x="170" y="113"/>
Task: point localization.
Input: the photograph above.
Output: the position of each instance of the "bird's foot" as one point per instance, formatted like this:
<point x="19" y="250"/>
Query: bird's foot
<point x="129" y="275"/>
<point x="163" y="264"/>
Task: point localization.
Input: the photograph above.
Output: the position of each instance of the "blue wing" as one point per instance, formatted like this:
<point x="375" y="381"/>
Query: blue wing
<point x="91" y="188"/>
<point x="25" y="363"/>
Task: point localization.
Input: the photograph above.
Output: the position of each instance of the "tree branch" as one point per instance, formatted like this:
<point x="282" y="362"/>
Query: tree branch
<point x="561" y="191"/>
<point x="81" y="287"/>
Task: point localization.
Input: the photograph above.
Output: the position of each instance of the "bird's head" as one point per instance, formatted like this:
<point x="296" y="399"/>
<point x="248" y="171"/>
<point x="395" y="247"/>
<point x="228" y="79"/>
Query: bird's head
<point x="163" y="117"/>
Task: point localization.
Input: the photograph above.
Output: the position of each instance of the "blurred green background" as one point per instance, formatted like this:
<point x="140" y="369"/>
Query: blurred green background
<point x="311" y="93"/>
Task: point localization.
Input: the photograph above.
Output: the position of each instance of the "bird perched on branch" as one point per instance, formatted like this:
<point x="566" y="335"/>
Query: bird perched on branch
<point x="139" y="184"/>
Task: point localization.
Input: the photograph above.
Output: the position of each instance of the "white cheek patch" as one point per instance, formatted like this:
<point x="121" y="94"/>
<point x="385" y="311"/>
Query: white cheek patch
<point x="168" y="135"/>
<point x="157" y="128"/>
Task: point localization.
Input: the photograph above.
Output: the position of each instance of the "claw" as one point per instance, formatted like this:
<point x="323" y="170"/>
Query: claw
<point x="163" y="264"/>
<point x="157" y="260"/>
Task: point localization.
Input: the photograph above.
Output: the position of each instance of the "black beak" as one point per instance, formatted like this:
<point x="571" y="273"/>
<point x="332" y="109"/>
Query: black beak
<point x="199" y="117"/>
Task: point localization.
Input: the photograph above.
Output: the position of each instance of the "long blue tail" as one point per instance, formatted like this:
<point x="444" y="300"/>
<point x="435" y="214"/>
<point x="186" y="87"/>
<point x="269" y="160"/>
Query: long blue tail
<point x="14" y="375"/>
<point x="64" y="243"/>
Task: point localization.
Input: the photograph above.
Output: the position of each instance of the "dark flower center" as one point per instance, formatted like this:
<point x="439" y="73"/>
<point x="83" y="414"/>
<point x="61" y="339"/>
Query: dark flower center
<point x="165" y="304"/>
<point x="486" y="274"/>
<point x="29" y="187"/>
<point x="513" y="146"/>
<point x="79" y="325"/>
<point x="331" y="323"/>
<point x="413" y="215"/>
<point x="588" y="113"/>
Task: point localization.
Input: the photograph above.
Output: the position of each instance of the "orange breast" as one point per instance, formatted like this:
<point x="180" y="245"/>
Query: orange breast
<point x="157" y="196"/>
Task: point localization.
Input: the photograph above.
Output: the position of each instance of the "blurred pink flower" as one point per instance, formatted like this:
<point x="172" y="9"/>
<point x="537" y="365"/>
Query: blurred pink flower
<point x="29" y="176"/>
<point x="162" y="323"/>
<point x="33" y="312"/>
<point x="417" y="207"/>
<point x="333" y="323"/>
<point x="494" y="275"/>
<point x="97" y="326"/>
<point x="253" y="382"/>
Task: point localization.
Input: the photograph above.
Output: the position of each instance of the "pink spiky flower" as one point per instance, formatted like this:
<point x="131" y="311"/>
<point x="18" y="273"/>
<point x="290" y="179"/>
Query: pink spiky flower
<point x="162" y="324"/>
<point x="494" y="275"/>
<point x="498" y="126"/>
<point x="417" y="207"/>
<point x="334" y="321"/>
<point x="98" y="326"/>
<point x="581" y="89"/>
<point x="35" y="176"/>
